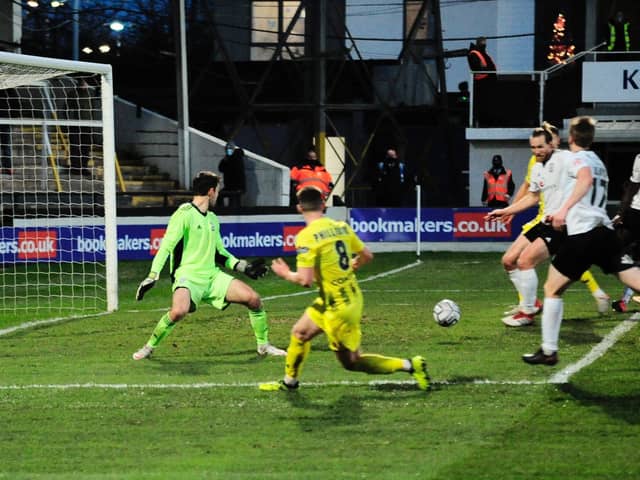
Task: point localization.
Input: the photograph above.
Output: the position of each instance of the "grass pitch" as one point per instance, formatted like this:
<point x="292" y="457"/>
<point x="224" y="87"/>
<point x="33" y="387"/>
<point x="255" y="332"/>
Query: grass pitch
<point x="74" y="405"/>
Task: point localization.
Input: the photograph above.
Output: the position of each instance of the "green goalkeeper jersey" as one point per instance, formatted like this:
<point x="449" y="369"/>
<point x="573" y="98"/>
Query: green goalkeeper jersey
<point x="193" y="243"/>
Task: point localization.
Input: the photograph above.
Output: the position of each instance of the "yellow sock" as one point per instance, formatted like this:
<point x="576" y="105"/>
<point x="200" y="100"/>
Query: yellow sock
<point x="372" y="363"/>
<point x="588" y="279"/>
<point x="297" y="353"/>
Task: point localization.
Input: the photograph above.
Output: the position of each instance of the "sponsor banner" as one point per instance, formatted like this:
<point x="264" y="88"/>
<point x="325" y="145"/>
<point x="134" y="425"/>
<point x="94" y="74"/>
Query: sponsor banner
<point x="254" y="239"/>
<point x="136" y="242"/>
<point x="37" y="244"/>
<point x="611" y="82"/>
<point x="436" y="225"/>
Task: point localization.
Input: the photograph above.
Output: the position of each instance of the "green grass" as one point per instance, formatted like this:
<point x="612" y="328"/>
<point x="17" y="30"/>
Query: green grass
<point x="228" y="429"/>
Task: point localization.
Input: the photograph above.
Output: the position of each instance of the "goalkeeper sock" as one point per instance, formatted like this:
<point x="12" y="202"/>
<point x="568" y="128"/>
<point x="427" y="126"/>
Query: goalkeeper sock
<point x="297" y="353"/>
<point x="260" y="325"/>
<point x="163" y="328"/>
<point x="372" y="363"/>
<point x="588" y="279"/>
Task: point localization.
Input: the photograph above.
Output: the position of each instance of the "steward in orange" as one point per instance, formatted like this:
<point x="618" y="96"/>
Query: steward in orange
<point x="312" y="174"/>
<point x="479" y="60"/>
<point x="498" y="185"/>
<point x="483" y="83"/>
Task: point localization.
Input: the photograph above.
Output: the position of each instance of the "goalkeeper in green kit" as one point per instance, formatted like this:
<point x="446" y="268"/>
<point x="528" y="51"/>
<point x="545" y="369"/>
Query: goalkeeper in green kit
<point x="192" y="242"/>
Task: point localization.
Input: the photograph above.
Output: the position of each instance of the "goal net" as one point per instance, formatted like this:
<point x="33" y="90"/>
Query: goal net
<point x="58" y="246"/>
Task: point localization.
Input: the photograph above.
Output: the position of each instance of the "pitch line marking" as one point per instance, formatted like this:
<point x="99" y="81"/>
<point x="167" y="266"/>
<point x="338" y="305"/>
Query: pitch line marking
<point x="558" y="378"/>
<point x="214" y="385"/>
<point x="597" y="351"/>
<point x="53" y="321"/>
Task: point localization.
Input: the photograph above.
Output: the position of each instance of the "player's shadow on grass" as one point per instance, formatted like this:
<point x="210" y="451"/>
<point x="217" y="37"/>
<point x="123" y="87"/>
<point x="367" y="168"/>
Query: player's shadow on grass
<point x="183" y="367"/>
<point x="623" y="407"/>
<point x="579" y="331"/>
<point x="194" y="366"/>
<point x="400" y="386"/>
<point x="314" y="416"/>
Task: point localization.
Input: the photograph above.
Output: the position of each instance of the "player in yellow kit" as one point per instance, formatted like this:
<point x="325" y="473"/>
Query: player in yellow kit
<point x="329" y="253"/>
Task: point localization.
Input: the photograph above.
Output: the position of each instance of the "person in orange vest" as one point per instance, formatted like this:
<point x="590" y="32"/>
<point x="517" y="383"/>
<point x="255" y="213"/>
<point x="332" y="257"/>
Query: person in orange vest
<point x="479" y="62"/>
<point x="498" y="185"/>
<point x="312" y="174"/>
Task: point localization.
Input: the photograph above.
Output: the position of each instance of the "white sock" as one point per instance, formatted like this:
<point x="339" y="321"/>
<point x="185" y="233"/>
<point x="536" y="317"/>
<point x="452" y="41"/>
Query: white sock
<point x="514" y="276"/>
<point x="528" y="289"/>
<point x="552" y="311"/>
<point x="599" y="293"/>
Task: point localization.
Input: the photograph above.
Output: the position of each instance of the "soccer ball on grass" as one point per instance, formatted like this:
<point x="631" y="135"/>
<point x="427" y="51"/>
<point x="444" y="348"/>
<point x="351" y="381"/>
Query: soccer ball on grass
<point x="446" y="313"/>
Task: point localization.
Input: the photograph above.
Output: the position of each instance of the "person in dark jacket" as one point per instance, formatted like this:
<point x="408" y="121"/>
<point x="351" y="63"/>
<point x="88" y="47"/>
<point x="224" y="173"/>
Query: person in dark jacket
<point x="391" y="180"/>
<point x="232" y="168"/>
<point x="627" y="222"/>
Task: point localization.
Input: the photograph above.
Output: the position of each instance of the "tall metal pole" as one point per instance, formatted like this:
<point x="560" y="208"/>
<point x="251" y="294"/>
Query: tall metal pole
<point x="75" y="22"/>
<point x="320" y="74"/>
<point x="180" y="36"/>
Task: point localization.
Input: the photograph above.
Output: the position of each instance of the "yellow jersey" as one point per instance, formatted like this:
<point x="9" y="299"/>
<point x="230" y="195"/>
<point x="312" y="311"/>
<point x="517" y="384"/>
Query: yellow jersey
<point x="538" y="218"/>
<point x="327" y="246"/>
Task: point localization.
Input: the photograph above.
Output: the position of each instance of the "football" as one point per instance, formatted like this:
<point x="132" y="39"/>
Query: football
<point x="446" y="313"/>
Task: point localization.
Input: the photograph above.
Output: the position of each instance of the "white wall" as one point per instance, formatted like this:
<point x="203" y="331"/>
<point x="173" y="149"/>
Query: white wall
<point x="516" y="17"/>
<point x="515" y="156"/>
<point x="379" y="19"/>
<point x="153" y="137"/>
<point x="468" y="20"/>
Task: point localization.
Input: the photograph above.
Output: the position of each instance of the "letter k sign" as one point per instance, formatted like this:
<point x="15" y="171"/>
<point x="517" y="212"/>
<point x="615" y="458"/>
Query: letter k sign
<point x="628" y="80"/>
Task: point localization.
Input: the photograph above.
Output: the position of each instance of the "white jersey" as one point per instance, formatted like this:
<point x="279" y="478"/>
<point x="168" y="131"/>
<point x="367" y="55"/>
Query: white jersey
<point x="635" y="201"/>
<point x="548" y="178"/>
<point x="635" y="178"/>
<point x="590" y="211"/>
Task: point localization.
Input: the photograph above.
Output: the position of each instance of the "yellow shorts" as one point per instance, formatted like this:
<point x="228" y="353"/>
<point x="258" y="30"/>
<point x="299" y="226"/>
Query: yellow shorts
<point x="211" y="291"/>
<point x="341" y="324"/>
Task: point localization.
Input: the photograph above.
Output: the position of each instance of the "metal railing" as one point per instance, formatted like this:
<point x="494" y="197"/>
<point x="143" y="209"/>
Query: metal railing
<point x="539" y="77"/>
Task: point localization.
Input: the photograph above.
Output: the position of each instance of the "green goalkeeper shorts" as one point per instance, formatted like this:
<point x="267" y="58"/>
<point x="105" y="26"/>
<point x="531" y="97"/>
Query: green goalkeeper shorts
<point x="212" y="291"/>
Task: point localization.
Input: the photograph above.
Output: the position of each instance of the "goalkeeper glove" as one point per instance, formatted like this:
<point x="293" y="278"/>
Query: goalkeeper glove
<point x="255" y="269"/>
<point x="147" y="284"/>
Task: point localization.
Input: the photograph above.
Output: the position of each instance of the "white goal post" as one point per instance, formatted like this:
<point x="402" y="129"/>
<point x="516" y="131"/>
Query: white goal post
<point x="58" y="239"/>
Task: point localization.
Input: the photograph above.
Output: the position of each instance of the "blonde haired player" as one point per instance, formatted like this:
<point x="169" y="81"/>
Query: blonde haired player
<point x="582" y="179"/>
<point x="329" y="252"/>
<point x="537" y="241"/>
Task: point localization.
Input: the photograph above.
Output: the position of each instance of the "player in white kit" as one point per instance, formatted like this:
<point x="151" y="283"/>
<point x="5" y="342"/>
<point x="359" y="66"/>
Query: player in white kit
<point x="543" y="239"/>
<point x="583" y="181"/>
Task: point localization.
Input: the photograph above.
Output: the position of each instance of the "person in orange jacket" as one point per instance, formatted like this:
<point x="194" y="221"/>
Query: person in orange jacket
<point x="311" y="173"/>
<point x="498" y="185"/>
